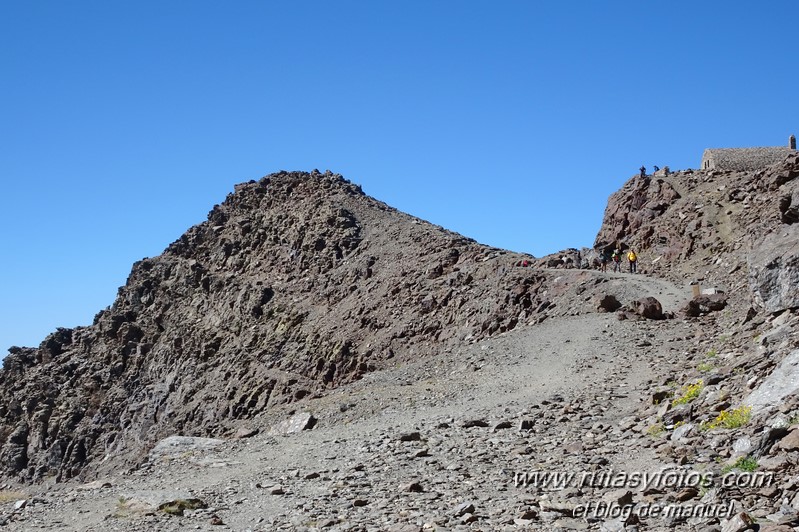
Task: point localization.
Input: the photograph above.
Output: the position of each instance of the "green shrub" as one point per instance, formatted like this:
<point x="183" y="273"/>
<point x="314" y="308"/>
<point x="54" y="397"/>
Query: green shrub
<point x="689" y="392"/>
<point x="744" y="463"/>
<point x="730" y="419"/>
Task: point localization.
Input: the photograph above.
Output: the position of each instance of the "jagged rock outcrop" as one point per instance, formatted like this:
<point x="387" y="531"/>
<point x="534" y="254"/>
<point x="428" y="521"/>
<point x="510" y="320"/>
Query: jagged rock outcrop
<point x="295" y="284"/>
<point x="774" y="271"/>
<point x="710" y="226"/>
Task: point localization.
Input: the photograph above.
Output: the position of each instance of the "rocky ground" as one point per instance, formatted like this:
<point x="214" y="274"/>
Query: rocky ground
<point x="436" y="443"/>
<point x="444" y="443"/>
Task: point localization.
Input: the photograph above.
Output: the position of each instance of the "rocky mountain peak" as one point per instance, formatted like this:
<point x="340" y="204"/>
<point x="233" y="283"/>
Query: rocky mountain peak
<point x="296" y="283"/>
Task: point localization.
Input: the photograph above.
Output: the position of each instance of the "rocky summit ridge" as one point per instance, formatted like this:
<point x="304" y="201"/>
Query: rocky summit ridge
<point x="433" y="371"/>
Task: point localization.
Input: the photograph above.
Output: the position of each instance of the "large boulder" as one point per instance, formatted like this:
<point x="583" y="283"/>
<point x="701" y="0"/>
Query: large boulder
<point x="705" y="303"/>
<point x="648" y="308"/>
<point x="774" y="271"/>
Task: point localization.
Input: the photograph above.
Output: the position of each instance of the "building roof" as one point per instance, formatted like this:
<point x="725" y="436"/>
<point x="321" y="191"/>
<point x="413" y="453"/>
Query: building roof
<point x="743" y="159"/>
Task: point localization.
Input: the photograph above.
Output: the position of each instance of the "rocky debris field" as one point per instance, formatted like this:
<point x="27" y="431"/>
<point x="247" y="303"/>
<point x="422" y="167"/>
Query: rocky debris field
<point x="437" y="443"/>
<point x="462" y="440"/>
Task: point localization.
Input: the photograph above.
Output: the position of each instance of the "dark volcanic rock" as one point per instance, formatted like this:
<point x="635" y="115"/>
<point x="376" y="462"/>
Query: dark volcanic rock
<point x="607" y="303"/>
<point x="649" y="308"/>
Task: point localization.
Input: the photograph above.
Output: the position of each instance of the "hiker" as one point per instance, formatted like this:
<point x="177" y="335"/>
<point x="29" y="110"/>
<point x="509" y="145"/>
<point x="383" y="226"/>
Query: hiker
<point x="656" y="168"/>
<point x="603" y="260"/>
<point x="632" y="258"/>
<point x="616" y="257"/>
<point x="643" y="171"/>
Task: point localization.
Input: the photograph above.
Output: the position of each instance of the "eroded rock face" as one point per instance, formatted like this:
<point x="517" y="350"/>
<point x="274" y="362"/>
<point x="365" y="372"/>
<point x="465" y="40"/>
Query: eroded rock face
<point x="298" y="283"/>
<point x="781" y="383"/>
<point x="295" y="284"/>
<point x="701" y="224"/>
<point x="641" y="200"/>
<point x="774" y="271"/>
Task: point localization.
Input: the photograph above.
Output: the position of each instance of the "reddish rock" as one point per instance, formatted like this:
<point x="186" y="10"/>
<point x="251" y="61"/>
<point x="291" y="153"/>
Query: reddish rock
<point x="790" y="442"/>
<point x="649" y="308"/>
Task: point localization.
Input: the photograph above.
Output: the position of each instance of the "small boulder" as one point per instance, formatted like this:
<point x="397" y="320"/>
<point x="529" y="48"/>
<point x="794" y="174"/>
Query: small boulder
<point x="649" y="308"/>
<point x="296" y="423"/>
<point x="681" y="413"/>
<point x="469" y="423"/>
<point x="463" y="509"/>
<point x="704" y="304"/>
<point x="172" y="502"/>
<point x="412" y="487"/>
<point x="502" y="425"/>
<point x="607" y="303"/>
<point x="738" y="523"/>
<point x="620" y="497"/>
<point x="682" y="432"/>
<point x="790" y="442"/>
<point x="179" y="446"/>
<point x="245" y="432"/>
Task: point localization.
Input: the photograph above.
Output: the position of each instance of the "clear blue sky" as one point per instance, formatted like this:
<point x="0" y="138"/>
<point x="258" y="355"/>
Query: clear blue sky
<point x="510" y="122"/>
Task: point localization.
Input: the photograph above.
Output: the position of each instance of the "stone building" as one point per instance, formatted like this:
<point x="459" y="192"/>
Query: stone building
<point x="745" y="159"/>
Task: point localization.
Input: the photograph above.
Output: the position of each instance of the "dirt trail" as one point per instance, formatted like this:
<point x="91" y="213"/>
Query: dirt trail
<point x="635" y="285"/>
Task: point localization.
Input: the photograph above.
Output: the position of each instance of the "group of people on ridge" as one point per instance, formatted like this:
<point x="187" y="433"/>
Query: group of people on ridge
<point x="616" y="257"/>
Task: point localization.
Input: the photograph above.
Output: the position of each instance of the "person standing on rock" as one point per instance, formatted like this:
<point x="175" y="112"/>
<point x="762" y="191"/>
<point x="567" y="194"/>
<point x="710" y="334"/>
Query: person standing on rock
<point x="616" y="260"/>
<point x="643" y="171"/>
<point x="632" y="258"/>
<point x="603" y="260"/>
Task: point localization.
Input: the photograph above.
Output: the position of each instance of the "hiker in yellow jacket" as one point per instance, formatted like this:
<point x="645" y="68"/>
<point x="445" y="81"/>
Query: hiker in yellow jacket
<point x="632" y="258"/>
